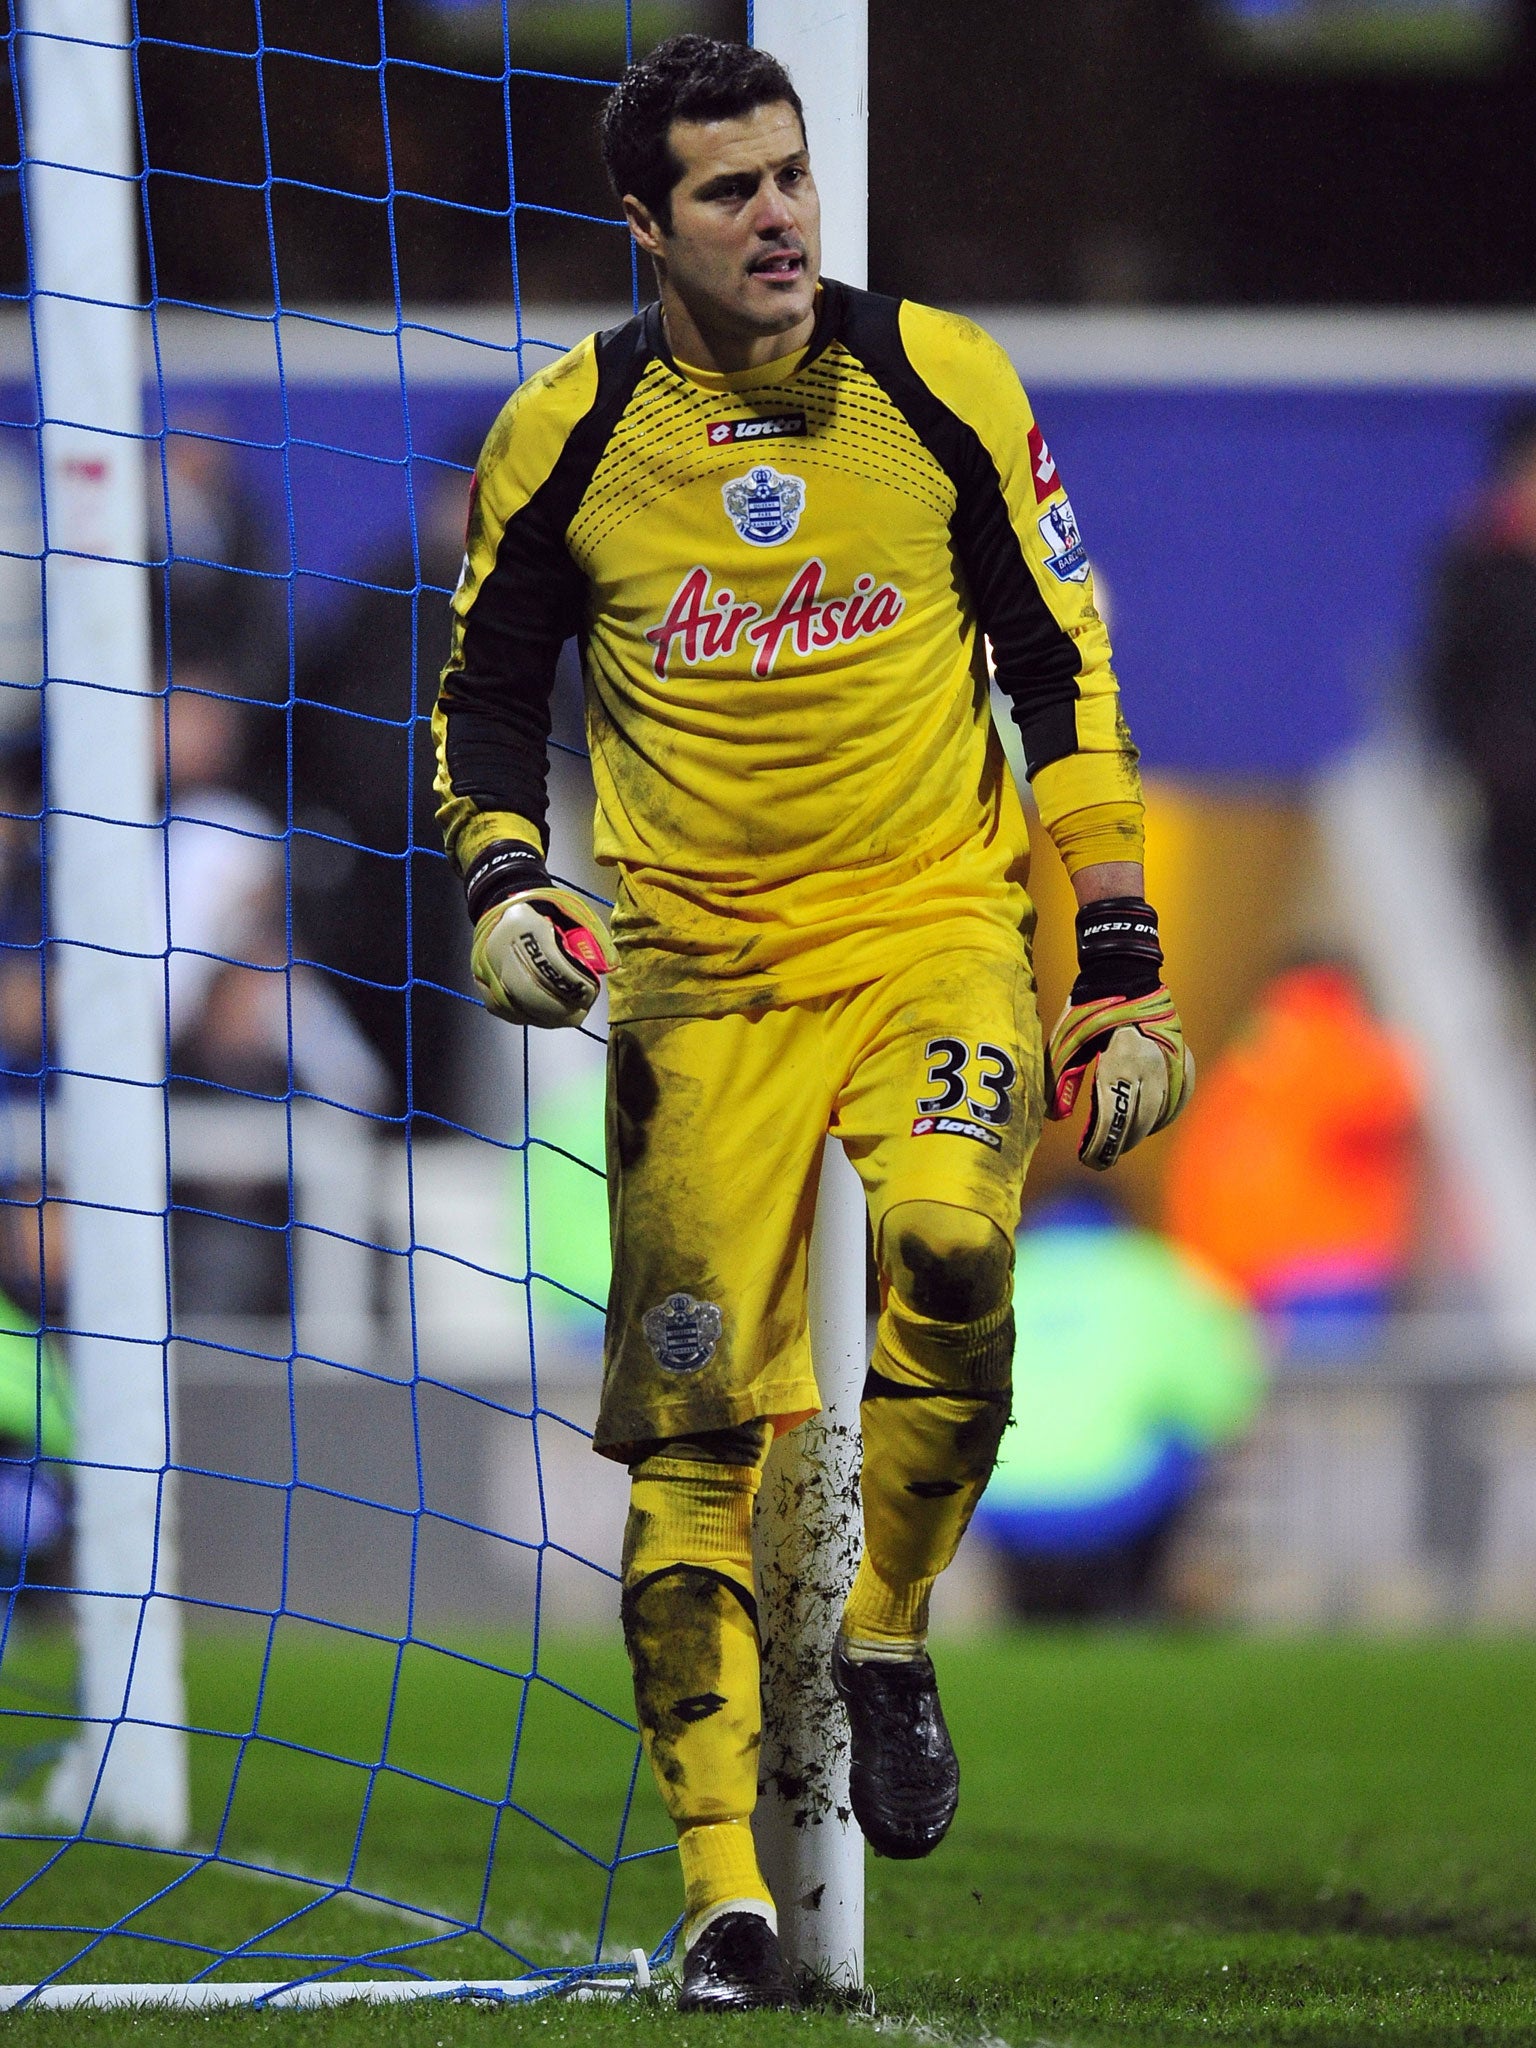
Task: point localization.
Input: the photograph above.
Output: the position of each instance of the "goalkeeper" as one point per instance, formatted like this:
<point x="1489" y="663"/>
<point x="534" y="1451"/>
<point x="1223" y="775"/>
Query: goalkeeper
<point x="783" y="517"/>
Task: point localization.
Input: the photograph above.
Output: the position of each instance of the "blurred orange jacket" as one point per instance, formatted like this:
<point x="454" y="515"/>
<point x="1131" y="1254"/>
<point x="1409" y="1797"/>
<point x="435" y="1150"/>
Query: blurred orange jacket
<point x="1295" y="1169"/>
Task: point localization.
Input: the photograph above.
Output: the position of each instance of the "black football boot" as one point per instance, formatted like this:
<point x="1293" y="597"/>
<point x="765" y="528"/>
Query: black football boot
<point x="905" y="1782"/>
<point x="734" y="1966"/>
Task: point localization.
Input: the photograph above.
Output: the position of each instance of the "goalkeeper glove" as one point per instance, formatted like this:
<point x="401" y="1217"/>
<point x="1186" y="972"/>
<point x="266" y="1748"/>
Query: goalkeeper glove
<point x="538" y="952"/>
<point x="1119" y="1038"/>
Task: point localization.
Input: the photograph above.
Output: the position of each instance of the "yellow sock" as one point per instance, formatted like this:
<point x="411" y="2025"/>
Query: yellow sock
<point x="934" y="1410"/>
<point x="690" y="1626"/>
<point x="720" y="1870"/>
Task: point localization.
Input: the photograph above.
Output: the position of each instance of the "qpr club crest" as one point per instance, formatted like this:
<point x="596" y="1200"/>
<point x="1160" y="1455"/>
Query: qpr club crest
<point x="1065" y="557"/>
<point x="682" y="1332"/>
<point x="764" y="506"/>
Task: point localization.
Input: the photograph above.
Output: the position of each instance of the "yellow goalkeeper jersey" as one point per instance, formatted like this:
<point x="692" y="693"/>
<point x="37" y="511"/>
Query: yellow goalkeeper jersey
<point x="783" y="582"/>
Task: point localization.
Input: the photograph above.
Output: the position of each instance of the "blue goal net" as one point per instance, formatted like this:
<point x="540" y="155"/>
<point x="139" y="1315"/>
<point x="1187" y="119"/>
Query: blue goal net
<point x="391" y="1734"/>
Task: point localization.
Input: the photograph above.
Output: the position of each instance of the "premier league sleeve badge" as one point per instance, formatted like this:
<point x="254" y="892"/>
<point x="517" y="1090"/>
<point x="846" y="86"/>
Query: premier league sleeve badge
<point x="1065" y="555"/>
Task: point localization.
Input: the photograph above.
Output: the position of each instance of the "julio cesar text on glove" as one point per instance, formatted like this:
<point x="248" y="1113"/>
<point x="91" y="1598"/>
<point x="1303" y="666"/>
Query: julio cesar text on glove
<point x="539" y="951"/>
<point x="1119" y="1040"/>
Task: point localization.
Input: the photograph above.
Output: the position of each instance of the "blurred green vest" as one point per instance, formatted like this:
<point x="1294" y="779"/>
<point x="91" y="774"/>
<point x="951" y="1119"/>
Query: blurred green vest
<point x="34" y="1395"/>
<point x="1124" y="1345"/>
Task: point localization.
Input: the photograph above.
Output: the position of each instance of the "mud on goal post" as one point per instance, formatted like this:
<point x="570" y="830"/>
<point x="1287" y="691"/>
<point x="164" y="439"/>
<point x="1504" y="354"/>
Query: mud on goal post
<point x="808" y="1518"/>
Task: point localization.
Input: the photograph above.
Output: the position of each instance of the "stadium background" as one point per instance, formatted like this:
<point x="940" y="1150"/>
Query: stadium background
<point x="1270" y="275"/>
<point x="1268" y="272"/>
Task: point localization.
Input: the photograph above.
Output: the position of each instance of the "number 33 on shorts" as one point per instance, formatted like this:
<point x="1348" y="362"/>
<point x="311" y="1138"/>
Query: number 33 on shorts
<point x="962" y="1078"/>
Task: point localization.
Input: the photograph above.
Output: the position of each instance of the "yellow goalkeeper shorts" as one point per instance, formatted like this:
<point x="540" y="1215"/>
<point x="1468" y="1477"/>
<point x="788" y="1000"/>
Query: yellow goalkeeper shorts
<point x="931" y="1077"/>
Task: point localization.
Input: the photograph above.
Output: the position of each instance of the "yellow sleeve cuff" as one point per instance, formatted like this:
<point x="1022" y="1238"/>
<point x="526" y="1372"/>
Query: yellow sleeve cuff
<point x="487" y="828"/>
<point x="1080" y="782"/>
<point x="1101" y="832"/>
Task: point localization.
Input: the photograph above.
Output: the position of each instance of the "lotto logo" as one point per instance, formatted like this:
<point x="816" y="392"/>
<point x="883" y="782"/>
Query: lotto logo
<point x="1043" y="469"/>
<point x="720" y="433"/>
<point x="955" y="1127"/>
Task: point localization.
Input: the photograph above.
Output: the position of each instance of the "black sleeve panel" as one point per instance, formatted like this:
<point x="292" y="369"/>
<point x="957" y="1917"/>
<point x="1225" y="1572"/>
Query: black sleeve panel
<point x="1037" y="661"/>
<point x="496" y="700"/>
<point x="497" y="735"/>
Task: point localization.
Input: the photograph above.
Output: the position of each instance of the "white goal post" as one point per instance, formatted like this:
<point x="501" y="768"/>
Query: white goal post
<point x="808" y="1522"/>
<point x="126" y="1773"/>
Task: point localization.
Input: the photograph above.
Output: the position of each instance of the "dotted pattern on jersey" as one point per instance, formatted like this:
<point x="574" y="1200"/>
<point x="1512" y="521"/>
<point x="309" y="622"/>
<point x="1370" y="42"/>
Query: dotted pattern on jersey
<point x="865" y="432"/>
<point x="659" y="444"/>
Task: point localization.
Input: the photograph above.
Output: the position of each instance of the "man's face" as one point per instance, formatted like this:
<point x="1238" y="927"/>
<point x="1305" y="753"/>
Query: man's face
<point x="743" y="251"/>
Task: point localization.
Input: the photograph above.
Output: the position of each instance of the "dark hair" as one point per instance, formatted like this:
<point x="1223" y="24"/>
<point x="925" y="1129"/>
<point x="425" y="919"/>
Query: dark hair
<point x="686" y="78"/>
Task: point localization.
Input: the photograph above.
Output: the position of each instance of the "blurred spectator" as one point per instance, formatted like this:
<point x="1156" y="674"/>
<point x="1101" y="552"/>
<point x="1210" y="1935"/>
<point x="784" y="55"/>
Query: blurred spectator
<point x="374" y="895"/>
<point x="1480" y="673"/>
<point x="219" y="609"/>
<point x="36" y="1425"/>
<point x="35" y="1428"/>
<point x="21" y="952"/>
<point x="238" y="1016"/>
<point x="225" y="865"/>
<point x="33" y="1248"/>
<point x="21" y="585"/>
<point x="235" y="1016"/>
<point x="1296" y="1170"/>
<point x="1132" y="1367"/>
<point x="567" y="1186"/>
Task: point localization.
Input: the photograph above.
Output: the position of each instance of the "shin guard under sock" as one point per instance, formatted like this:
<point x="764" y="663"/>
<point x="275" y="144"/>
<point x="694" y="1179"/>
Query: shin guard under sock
<point x="934" y="1409"/>
<point x="690" y="1626"/>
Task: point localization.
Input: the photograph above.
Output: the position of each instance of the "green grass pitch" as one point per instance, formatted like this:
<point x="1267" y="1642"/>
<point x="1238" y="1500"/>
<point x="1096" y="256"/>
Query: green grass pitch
<point x="1162" y="1839"/>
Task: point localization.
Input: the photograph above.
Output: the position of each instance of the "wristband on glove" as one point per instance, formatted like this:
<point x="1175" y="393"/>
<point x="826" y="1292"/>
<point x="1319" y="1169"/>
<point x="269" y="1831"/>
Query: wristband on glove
<point x="1119" y="1037"/>
<point x="1118" y="950"/>
<point x="507" y="869"/>
<point x="539" y="951"/>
